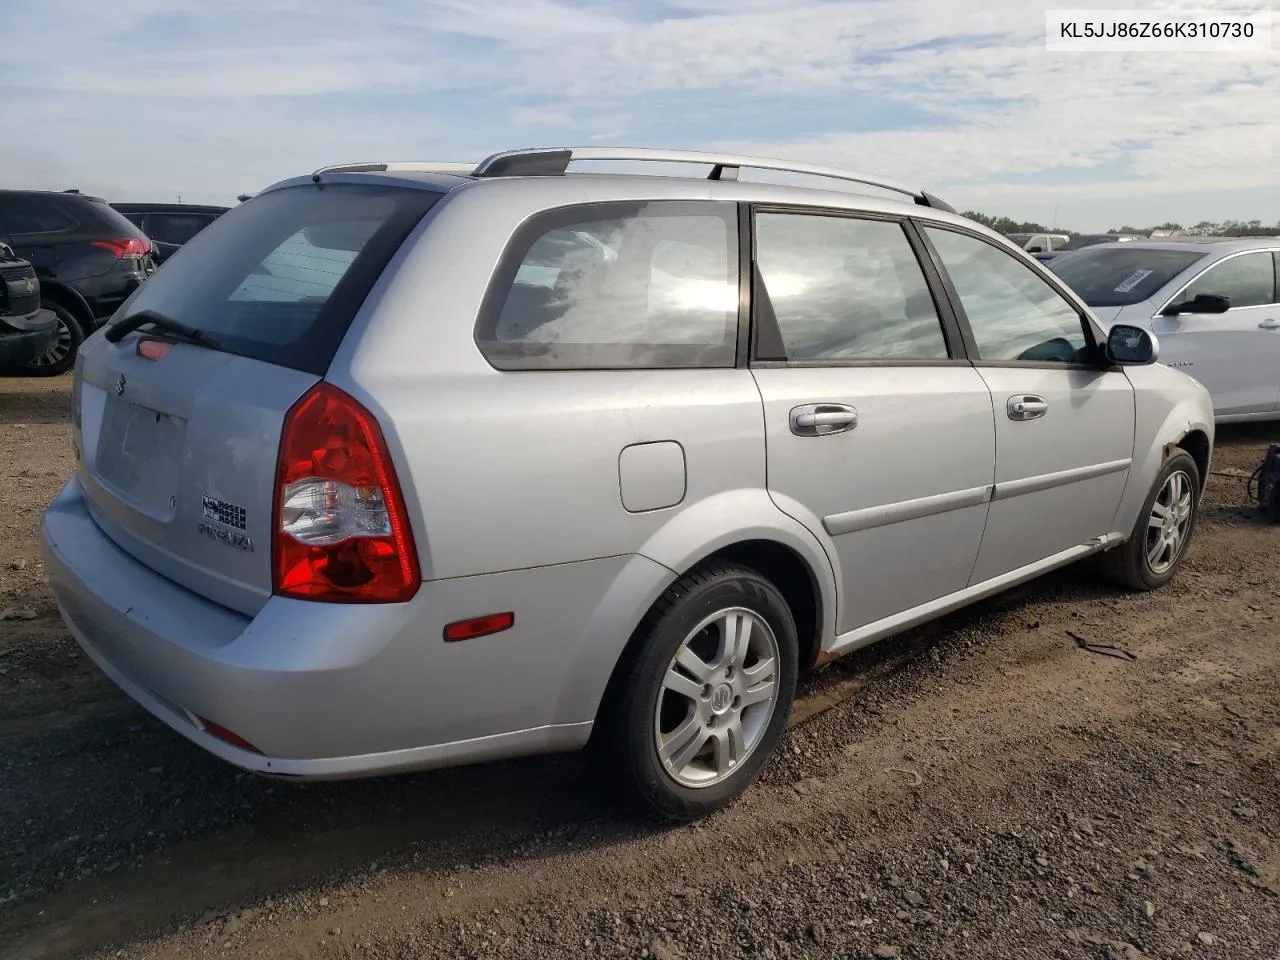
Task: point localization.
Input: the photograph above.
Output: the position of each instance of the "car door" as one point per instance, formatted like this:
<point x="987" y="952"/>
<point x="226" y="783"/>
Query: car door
<point x="879" y="434"/>
<point x="1236" y="355"/>
<point x="1063" y="424"/>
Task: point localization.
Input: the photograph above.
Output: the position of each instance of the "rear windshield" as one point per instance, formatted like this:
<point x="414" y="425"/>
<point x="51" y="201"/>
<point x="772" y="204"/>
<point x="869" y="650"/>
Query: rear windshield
<point x="280" y="277"/>
<point x="1117" y="275"/>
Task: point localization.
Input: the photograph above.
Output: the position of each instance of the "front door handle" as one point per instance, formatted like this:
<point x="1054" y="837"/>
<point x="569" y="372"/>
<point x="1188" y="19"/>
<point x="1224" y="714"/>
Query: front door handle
<point x="1026" y="407"/>
<point x="1269" y="325"/>
<point x="822" y="419"/>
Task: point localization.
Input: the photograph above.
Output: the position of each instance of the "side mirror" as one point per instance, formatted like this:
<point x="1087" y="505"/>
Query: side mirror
<point x="1203" y="303"/>
<point x="1036" y="249"/>
<point x="1131" y="346"/>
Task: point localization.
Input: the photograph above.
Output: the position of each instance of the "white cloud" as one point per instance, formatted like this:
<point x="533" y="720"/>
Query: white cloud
<point x="212" y="99"/>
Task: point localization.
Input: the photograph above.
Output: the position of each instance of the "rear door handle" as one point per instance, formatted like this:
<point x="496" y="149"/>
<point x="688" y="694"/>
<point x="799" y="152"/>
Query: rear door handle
<point x="1027" y="407"/>
<point x="1269" y="324"/>
<point x="822" y="419"/>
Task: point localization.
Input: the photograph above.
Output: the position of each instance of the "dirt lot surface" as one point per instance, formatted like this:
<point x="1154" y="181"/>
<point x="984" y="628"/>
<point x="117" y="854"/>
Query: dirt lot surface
<point x="984" y="787"/>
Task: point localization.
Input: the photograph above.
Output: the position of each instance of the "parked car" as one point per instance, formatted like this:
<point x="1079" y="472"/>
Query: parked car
<point x="26" y="330"/>
<point x="1214" y="304"/>
<point x="169" y="225"/>
<point x="88" y="257"/>
<point x="1040" y="242"/>
<point x="1082" y="240"/>
<point x="397" y="469"/>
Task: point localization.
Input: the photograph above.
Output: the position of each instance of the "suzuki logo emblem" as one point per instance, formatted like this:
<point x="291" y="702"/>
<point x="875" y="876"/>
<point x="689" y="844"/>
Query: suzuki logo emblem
<point x="120" y="382"/>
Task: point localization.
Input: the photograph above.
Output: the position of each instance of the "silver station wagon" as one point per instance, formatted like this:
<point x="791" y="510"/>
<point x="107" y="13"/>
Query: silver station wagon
<point x="398" y="466"/>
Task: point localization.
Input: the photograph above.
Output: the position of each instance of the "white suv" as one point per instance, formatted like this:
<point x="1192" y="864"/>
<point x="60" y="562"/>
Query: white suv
<point x="392" y="467"/>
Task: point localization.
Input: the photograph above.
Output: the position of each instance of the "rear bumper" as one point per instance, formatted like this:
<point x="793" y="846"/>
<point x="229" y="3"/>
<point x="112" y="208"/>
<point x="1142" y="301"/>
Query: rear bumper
<point x="22" y="346"/>
<point x="334" y="691"/>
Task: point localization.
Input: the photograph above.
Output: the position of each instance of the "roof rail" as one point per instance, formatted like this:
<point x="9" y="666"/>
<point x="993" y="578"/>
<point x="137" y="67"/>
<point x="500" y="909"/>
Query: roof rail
<point x="554" y="161"/>
<point x="398" y="166"/>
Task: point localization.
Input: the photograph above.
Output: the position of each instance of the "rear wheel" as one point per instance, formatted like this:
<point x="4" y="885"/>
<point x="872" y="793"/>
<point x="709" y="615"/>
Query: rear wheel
<point x="61" y="355"/>
<point x="1163" y="532"/>
<point x="702" y="699"/>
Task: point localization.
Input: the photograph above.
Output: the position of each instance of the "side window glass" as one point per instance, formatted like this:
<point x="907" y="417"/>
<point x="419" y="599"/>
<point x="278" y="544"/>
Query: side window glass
<point x="1013" y="313"/>
<point x="632" y="285"/>
<point x="843" y="288"/>
<point x="1248" y="280"/>
<point x="33" y="215"/>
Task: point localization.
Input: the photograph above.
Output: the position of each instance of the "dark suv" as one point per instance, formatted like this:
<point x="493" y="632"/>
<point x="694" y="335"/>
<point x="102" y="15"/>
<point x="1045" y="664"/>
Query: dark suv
<point x="88" y="257"/>
<point x="170" y="225"/>
<point x="26" y="330"/>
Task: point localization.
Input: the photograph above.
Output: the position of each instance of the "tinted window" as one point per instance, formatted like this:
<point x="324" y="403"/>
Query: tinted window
<point x="20" y="214"/>
<point x="1119" y="274"/>
<point x="175" y="227"/>
<point x="843" y="288"/>
<point x="617" y="285"/>
<point x="279" y="278"/>
<point x="1013" y="313"/>
<point x="1248" y="280"/>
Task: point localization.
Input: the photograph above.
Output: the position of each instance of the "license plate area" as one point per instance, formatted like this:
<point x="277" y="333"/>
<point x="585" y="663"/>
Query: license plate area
<point x="139" y="456"/>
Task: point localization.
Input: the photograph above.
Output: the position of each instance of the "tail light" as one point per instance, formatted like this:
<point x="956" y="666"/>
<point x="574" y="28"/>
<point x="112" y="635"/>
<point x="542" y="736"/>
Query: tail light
<point x="340" y="531"/>
<point x="125" y="247"/>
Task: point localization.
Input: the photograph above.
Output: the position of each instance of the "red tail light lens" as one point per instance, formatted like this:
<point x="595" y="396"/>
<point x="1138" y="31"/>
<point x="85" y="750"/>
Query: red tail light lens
<point x="125" y="247"/>
<point x="340" y="531"/>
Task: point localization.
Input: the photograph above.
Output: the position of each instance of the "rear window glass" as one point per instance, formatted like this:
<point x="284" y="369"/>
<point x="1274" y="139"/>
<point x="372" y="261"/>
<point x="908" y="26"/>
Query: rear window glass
<point x="280" y="278"/>
<point x="1117" y="275"/>
<point x="617" y="285"/>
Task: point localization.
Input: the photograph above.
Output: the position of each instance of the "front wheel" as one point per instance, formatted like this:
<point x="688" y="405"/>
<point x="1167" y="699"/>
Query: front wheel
<point x="701" y="700"/>
<point x="1160" y="538"/>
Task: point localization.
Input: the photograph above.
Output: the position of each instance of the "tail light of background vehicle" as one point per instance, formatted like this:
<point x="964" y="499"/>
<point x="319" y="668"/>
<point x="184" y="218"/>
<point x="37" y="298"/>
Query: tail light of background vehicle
<point x="340" y="533"/>
<point x="126" y="248"/>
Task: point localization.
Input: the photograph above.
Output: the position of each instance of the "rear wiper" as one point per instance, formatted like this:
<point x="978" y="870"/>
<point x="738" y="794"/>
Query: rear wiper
<point x="117" y="331"/>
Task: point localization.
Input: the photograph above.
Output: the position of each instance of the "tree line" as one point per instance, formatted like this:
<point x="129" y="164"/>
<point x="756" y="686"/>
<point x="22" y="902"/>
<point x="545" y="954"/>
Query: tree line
<point x="1205" y="228"/>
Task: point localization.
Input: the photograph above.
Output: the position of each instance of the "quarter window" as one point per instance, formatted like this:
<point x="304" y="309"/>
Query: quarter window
<point x="846" y="289"/>
<point x="618" y="285"/>
<point x="1248" y="280"/>
<point x="1013" y="313"/>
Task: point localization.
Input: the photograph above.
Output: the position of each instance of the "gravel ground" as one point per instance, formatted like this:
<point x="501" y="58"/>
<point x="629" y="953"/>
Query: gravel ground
<point x="982" y="787"/>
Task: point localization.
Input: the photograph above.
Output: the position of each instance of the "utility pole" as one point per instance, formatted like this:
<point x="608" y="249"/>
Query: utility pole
<point x="1055" y="216"/>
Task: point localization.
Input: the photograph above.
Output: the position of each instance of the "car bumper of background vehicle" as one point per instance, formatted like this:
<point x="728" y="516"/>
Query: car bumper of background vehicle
<point x="18" y="347"/>
<point x="324" y="691"/>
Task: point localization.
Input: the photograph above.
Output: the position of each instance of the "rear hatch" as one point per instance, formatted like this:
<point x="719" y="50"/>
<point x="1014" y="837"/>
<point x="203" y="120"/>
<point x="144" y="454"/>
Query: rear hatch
<point x="176" y="443"/>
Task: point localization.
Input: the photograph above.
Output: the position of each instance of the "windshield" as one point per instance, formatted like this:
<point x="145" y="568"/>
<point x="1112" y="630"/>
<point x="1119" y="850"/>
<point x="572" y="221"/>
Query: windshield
<point x="1119" y="274"/>
<point x="280" y="278"/>
<point x="1019" y="239"/>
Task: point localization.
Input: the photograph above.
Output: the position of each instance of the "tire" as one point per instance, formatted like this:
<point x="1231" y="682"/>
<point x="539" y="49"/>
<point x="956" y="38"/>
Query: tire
<point x="651" y="700"/>
<point x="1130" y="565"/>
<point x="60" y="357"/>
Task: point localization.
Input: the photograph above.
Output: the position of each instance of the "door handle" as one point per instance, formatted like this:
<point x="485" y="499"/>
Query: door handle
<point x="1269" y="325"/>
<point x="1026" y="407"/>
<point x="822" y="419"/>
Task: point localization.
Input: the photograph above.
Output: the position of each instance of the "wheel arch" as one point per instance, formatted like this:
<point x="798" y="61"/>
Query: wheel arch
<point x="742" y="527"/>
<point x="69" y="299"/>
<point x="1197" y="443"/>
<point x="1168" y="420"/>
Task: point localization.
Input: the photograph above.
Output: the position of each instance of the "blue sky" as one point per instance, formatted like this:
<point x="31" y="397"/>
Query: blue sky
<point x="150" y="99"/>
